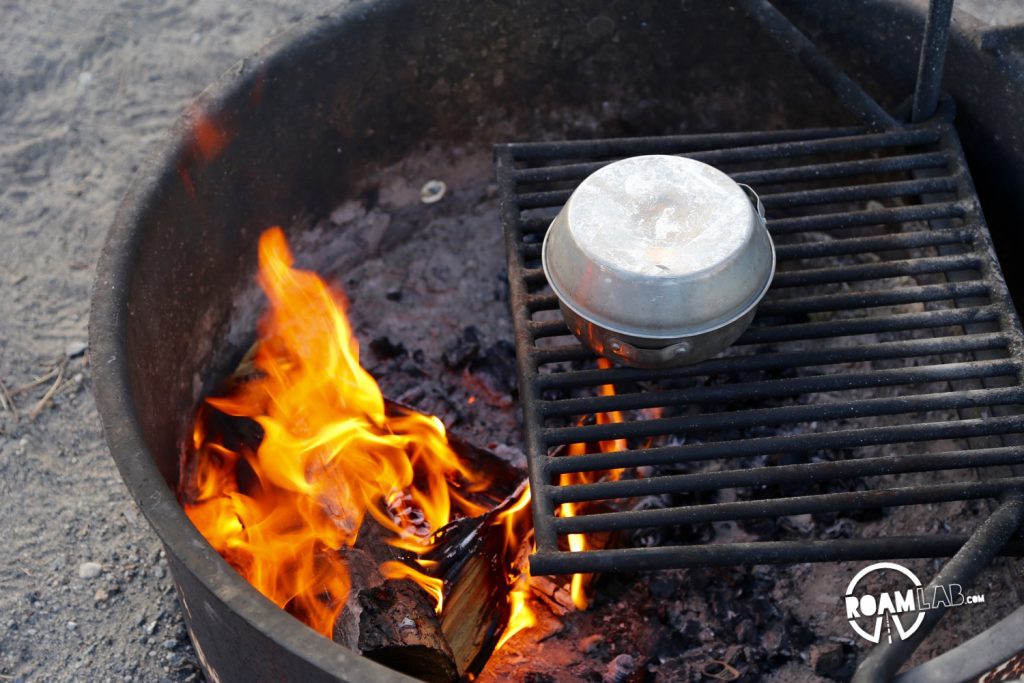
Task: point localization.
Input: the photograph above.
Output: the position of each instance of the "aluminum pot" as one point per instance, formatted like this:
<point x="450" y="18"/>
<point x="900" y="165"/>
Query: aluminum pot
<point x="659" y="261"/>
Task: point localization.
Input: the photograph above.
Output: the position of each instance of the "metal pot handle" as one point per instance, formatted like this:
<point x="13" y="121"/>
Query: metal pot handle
<point x="635" y="354"/>
<point x="756" y="201"/>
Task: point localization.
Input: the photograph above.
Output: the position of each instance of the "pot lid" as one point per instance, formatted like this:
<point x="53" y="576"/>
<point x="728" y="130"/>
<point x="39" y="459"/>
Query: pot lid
<point x="659" y="246"/>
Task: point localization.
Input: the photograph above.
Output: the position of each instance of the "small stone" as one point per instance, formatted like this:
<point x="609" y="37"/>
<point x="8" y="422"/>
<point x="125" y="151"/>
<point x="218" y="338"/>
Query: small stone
<point x="619" y="669"/>
<point x="151" y="627"/>
<point x="101" y="595"/>
<point x="169" y="644"/>
<point x="89" y="570"/>
<point x="75" y="349"/>
<point x="72" y="625"/>
<point x="827" y="659"/>
<point x="433" y="191"/>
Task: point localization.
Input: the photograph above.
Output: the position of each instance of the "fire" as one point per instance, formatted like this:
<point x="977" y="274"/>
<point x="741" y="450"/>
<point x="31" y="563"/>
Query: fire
<point x="333" y="456"/>
<point x="329" y="456"/>
<point x="578" y="542"/>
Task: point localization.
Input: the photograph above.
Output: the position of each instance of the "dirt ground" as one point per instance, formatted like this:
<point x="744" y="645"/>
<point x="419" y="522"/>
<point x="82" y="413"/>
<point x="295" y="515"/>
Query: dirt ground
<point x="86" y="89"/>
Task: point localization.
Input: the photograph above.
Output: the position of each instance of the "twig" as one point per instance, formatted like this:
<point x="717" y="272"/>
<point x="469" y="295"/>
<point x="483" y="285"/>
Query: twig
<point x="38" y="380"/>
<point x="6" y="401"/>
<point x="45" y="400"/>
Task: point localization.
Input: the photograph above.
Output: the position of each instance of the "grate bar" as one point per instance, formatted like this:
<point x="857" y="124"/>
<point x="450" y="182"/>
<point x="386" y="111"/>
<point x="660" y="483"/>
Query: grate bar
<point x="904" y="188"/>
<point x="763" y="552"/>
<point x="835" y="195"/>
<point x="868" y="407"/>
<point x="837" y="247"/>
<point x="750" y="391"/>
<point x="875" y="325"/>
<point x="615" y="147"/>
<point x="754" y="363"/>
<point x="834" y="302"/>
<point x="778" y="475"/>
<point x="769" y="176"/>
<point x="766" y="445"/>
<point x="892" y="297"/>
<point x="853" y="219"/>
<point x="538" y="224"/>
<point x="828" y="328"/>
<point x="756" y="152"/>
<point x="871" y="244"/>
<point x="779" y="507"/>
<point x="873" y="271"/>
<point x="843" y="169"/>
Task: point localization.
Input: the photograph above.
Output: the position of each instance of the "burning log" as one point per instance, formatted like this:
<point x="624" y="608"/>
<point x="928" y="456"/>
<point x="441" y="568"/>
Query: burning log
<point x="473" y="556"/>
<point x="399" y="628"/>
<point x="393" y="620"/>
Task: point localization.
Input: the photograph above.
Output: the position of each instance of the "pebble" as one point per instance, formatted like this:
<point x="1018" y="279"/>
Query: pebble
<point x="169" y="644"/>
<point x="75" y="349"/>
<point x="433" y="191"/>
<point x="89" y="570"/>
<point x="619" y="669"/>
<point x="72" y="625"/>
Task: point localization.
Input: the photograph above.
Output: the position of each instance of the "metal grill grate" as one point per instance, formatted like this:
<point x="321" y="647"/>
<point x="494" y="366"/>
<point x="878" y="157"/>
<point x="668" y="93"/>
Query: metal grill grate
<point x="883" y="369"/>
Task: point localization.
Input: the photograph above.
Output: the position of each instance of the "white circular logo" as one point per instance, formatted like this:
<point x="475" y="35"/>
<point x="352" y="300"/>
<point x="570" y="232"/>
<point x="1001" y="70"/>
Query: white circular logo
<point x="890" y="608"/>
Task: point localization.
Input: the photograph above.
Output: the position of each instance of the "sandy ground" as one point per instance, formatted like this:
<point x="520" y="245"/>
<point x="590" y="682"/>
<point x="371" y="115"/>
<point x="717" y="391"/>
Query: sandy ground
<point x="86" y="88"/>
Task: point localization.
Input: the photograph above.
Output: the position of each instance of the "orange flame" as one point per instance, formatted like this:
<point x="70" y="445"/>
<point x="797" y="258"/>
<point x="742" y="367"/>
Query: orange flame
<point x="579" y="542"/>
<point x="329" y="455"/>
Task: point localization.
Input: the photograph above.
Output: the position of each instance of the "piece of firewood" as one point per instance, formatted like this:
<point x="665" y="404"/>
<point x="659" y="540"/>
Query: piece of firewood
<point x="398" y="628"/>
<point x="392" y="621"/>
<point x="473" y="558"/>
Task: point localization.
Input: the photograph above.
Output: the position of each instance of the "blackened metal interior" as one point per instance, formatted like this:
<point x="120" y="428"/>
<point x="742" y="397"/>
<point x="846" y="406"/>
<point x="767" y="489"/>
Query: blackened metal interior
<point x="296" y="129"/>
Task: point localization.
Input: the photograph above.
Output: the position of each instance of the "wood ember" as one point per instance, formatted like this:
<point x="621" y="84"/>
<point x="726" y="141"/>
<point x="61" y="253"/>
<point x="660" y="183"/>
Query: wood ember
<point x="554" y="595"/>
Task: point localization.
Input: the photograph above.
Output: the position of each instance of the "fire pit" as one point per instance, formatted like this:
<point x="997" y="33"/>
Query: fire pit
<point x="332" y="133"/>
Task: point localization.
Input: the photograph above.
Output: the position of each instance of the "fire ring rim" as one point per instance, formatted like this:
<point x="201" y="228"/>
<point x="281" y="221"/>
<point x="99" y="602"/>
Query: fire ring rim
<point x="113" y="394"/>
